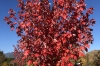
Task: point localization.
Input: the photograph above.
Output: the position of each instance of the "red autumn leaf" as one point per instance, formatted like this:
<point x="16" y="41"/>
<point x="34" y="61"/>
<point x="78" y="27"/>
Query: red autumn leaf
<point x="79" y="35"/>
<point x="83" y="23"/>
<point x="56" y="34"/>
<point x="43" y="64"/>
<point x="12" y="28"/>
<point x="48" y="21"/>
<point x="82" y="48"/>
<point x="61" y="2"/>
<point x="35" y="63"/>
<point x="67" y="50"/>
<point x="65" y="35"/>
<point x="37" y="55"/>
<point x="11" y="16"/>
<point x="22" y="25"/>
<point x="72" y="56"/>
<point x="87" y="45"/>
<point x="28" y="24"/>
<point x="64" y="41"/>
<point x="75" y="57"/>
<point x="79" y="31"/>
<point x="26" y="52"/>
<point x="70" y="45"/>
<point x="70" y="64"/>
<point x="14" y="23"/>
<point x="29" y="62"/>
<point x="57" y="48"/>
<point x="23" y="58"/>
<point x="39" y="17"/>
<point x="81" y="9"/>
<point x="81" y="54"/>
<point x="15" y="18"/>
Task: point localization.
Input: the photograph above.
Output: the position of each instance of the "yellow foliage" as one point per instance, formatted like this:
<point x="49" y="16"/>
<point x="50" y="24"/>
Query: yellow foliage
<point x="5" y="64"/>
<point x="82" y="60"/>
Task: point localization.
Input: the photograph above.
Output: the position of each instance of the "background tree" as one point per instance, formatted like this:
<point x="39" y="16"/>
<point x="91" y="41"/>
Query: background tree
<point x="8" y="61"/>
<point x="61" y="31"/>
<point x="96" y="61"/>
<point x="2" y="57"/>
<point x="90" y="58"/>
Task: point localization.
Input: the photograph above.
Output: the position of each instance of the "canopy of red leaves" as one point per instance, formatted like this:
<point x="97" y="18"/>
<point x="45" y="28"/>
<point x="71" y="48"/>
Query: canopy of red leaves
<point x="51" y="35"/>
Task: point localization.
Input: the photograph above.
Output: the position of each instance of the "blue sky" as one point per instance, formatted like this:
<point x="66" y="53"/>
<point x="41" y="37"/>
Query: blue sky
<point x="9" y="38"/>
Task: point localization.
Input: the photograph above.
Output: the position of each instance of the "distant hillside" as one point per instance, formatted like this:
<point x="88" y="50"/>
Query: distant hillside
<point x="9" y="55"/>
<point x="89" y="54"/>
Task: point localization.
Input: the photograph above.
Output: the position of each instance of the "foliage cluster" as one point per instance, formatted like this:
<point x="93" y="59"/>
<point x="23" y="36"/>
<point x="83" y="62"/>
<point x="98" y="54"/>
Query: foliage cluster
<point x="60" y="31"/>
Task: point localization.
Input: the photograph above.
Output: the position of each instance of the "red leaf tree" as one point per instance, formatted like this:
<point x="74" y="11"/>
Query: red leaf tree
<point x="51" y="35"/>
